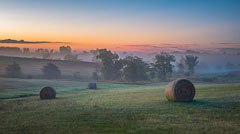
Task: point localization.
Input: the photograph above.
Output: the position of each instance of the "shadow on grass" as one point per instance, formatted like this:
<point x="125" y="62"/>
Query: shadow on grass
<point x="18" y="96"/>
<point x="232" y="101"/>
<point x="217" y="102"/>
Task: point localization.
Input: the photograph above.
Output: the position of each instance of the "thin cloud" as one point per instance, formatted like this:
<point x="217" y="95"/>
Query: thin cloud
<point x="25" y="42"/>
<point x="229" y="49"/>
<point x="229" y="43"/>
<point x="148" y="47"/>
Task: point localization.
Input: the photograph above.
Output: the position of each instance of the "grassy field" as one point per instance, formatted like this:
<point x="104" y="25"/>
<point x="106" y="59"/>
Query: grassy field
<point x="116" y="108"/>
<point x="17" y="88"/>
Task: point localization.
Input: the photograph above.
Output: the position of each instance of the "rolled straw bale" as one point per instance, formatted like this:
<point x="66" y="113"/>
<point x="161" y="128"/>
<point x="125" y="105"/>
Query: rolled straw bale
<point x="92" y="85"/>
<point x="180" y="90"/>
<point x="48" y="93"/>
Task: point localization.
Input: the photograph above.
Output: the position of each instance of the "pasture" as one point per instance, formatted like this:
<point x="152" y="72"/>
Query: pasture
<point x="116" y="108"/>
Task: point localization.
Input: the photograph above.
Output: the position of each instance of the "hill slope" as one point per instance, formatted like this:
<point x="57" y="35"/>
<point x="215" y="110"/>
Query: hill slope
<point x="33" y="66"/>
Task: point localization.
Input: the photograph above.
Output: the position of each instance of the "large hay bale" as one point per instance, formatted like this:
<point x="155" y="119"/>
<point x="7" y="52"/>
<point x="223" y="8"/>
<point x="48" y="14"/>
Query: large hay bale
<point x="92" y="85"/>
<point x="180" y="90"/>
<point x="48" y="93"/>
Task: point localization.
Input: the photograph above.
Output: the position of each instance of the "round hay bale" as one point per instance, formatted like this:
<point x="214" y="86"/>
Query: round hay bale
<point x="48" y="93"/>
<point x="92" y="85"/>
<point x="180" y="90"/>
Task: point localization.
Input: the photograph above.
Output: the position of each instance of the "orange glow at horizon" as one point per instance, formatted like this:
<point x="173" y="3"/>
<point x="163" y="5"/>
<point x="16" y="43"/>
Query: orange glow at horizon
<point x="88" y="25"/>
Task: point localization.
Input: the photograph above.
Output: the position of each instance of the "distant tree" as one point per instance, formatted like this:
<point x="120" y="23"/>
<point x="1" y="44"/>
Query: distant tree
<point x="39" y="50"/>
<point x="51" y="51"/>
<point x="181" y="65"/>
<point x="71" y="57"/>
<point x="192" y="52"/>
<point x="95" y="76"/>
<point x="111" y="64"/>
<point x="163" y="65"/>
<point x="95" y="54"/>
<point x="65" y="50"/>
<point x="26" y="50"/>
<point x="51" y="71"/>
<point x="85" y="52"/>
<point x="180" y="68"/>
<point x="135" y="69"/>
<point x="191" y="62"/>
<point x="14" y="70"/>
<point x="46" y="54"/>
<point x="152" y="71"/>
<point x="10" y="50"/>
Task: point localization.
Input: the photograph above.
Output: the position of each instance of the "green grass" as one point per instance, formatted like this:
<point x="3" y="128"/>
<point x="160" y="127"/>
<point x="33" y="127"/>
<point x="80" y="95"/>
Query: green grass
<point x="119" y="108"/>
<point x="16" y="88"/>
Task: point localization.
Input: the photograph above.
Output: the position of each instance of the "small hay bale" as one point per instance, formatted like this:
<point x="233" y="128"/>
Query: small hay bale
<point x="180" y="90"/>
<point x="48" y="93"/>
<point x="92" y="85"/>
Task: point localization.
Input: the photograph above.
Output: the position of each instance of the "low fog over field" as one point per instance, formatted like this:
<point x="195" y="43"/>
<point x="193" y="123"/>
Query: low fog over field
<point x="215" y="61"/>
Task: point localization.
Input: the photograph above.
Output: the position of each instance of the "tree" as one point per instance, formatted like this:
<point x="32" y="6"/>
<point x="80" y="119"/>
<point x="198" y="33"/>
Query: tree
<point x="39" y="50"/>
<point x="14" y="70"/>
<point x="71" y="57"/>
<point x="180" y="68"/>
<point x="51" y="71"/>
<point x="65" y="50"/>
<point x="111" y="64"/>
<point x="26" y="50"/>
<point x="46" y="54"/>
<point x="152" y="71"/>
<point x="191" y="62"/>
<point x="135" y="69"/>
<point x="163" y="65"/>
<point x="181" y="65"/>
<point x="95" y="76"/>
<point x="95" y="54"/>
<point x="12" y="50"/>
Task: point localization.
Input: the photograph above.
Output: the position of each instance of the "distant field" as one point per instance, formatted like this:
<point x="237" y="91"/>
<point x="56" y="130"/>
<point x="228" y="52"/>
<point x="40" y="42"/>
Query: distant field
<point x="17" y="88"/>
<point x="116" y="108"/>
<point x="33" y="66"/>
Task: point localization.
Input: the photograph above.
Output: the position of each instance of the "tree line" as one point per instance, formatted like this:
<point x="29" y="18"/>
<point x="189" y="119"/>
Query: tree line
<point x="50" y="71"/>
<point x="130" y="68"/>
<point x="133" y="68"/>
<point x="65" y="51"/>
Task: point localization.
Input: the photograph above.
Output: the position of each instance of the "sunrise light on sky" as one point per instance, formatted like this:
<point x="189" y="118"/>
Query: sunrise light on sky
<point x="122" y="24"/>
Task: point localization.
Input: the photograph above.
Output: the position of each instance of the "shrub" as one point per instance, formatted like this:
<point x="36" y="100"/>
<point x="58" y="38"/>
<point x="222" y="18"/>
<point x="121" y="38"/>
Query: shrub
<point x="51" y="71"/>
<point x="14" y="70"/>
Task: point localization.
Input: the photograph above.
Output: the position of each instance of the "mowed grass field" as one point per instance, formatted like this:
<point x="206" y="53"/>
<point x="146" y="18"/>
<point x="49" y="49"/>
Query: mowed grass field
<point x="116" y="108"/>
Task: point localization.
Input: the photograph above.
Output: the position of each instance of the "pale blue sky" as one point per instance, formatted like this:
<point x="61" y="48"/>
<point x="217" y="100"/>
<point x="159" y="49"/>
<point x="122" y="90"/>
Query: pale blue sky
<point x="116" y="22"/>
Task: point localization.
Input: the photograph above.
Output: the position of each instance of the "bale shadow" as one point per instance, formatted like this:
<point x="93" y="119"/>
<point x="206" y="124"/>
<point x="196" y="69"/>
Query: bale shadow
<point x="232" y="101"/>
<point x="217" y="102"/>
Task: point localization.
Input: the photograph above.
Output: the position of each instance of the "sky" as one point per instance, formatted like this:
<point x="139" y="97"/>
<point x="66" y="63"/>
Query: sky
<point x="137" y="25"/>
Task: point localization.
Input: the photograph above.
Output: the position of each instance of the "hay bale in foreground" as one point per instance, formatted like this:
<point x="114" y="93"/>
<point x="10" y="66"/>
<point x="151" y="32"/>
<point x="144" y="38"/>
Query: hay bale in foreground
<point x="48" y="93"/>
<point x="180" y="90"/>
<point x="92" y="85"/>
